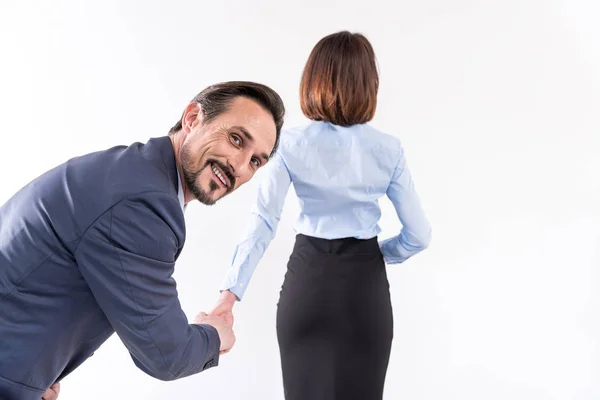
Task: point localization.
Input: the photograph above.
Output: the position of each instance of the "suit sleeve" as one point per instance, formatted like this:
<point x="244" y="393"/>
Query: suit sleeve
<point x="127" y="258"/>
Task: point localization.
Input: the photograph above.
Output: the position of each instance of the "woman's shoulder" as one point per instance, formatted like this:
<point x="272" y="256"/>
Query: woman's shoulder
<point x="381" y="139"/>
<point x="321" y="133"/>
<point x="299" y="134"/>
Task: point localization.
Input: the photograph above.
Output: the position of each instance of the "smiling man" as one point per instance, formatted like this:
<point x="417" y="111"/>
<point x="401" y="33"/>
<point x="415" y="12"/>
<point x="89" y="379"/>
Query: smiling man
<point x="217" y="155"/>
<point x="89" y="247"/>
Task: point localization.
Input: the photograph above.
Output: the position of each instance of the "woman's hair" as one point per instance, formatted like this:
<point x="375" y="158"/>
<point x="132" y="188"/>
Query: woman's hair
<point x="340" y="80"/>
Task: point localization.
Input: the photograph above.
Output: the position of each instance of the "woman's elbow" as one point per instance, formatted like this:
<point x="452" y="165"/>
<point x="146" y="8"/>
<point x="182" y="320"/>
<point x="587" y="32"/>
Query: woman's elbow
<point x="423" y="241"/>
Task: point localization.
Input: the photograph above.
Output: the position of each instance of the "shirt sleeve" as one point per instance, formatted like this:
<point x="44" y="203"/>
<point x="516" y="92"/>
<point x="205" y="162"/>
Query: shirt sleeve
<point x="127" y="258"/>
<point x="415" y="234"/>
<point x="261" y="227"/>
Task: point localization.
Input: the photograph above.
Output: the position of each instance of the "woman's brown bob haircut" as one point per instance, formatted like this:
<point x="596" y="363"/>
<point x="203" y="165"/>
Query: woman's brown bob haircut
<point x="340" y="80"/>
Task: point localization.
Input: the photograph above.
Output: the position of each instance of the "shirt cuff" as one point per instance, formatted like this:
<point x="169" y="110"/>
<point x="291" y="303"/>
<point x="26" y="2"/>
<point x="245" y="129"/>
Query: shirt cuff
<point x="237" y="289"/>
<point x="387" y="248"/>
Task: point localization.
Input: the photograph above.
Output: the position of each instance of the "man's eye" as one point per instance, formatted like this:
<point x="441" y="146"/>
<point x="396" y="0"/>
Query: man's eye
<point x="256" y="162"/>
<point x="236" y="139"/>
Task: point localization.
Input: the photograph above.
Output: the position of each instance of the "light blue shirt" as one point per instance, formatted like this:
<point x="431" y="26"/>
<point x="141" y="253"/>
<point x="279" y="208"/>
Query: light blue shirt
<point x="339" y="174"/>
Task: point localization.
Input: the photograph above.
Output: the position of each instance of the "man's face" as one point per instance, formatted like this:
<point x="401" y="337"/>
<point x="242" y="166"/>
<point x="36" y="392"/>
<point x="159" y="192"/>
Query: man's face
<point x="218" y="157"/>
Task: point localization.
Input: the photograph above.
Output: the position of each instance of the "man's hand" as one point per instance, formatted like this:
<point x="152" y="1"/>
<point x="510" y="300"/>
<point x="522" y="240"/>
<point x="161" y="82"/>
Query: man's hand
<point x="52" y="392"/>
<point x="224" y="306"/>
<point x="224" y="329"/>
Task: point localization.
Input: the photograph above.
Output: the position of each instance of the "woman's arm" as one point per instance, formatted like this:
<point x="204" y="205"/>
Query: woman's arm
<point x="415" y="234"/>
<point x="261" y="227"/>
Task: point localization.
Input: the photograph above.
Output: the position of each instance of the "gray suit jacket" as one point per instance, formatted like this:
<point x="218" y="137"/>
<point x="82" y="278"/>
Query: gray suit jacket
<point x="88" y="249"/>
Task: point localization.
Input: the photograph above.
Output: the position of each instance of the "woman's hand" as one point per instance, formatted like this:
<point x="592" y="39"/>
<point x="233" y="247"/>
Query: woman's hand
<point x="224" y="308"/>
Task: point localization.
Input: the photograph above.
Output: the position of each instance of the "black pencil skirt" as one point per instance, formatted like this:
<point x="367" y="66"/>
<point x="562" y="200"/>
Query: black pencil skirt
<point x="334" y="320"/>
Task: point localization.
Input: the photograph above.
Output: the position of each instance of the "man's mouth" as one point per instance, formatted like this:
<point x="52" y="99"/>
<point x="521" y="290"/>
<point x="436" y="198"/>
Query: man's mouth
<point x="220" y="175"/>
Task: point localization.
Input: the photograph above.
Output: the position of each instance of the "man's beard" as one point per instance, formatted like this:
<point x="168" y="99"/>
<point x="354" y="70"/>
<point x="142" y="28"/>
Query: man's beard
<point x="190" y="179"/>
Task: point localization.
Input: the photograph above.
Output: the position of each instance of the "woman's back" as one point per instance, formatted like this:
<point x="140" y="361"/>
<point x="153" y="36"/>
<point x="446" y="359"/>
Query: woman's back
<point x="340" y="166"/>
<point x="336" y="289"/>
<point x="339" y="174"/>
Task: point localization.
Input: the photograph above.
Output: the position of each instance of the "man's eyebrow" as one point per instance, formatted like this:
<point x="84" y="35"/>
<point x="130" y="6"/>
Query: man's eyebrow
<point x="250" y="138"/>
<point x="244" y="131"/>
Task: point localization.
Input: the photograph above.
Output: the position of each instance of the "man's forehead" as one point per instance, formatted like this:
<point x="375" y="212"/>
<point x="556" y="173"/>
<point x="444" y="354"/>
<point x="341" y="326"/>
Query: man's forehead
<point x="248" y="111"/>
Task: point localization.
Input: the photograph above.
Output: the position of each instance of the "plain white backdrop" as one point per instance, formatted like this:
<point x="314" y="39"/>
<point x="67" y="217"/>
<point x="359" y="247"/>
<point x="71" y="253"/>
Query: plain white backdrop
<point x="496" y="102"/>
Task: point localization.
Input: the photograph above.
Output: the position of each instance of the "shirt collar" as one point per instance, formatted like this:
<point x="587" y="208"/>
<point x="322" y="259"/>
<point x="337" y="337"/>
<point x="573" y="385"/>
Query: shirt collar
<point x="180" y="192"/>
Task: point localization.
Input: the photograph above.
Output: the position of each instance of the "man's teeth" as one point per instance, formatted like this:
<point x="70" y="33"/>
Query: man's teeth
<point x="219" y="175"/>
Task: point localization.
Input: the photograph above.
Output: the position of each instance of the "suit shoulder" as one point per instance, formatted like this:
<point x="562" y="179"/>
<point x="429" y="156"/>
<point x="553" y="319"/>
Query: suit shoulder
<point x="106" y="177"/>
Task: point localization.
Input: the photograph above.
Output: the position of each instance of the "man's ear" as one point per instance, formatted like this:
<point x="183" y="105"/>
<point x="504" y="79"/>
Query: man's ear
<point x="192" y="116"/>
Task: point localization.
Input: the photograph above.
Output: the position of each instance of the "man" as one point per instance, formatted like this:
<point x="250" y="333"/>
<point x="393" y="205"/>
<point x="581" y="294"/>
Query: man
<point x="89" y="247"/>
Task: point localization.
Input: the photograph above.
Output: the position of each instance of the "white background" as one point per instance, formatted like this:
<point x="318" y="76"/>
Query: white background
<point x="496" y="102"/>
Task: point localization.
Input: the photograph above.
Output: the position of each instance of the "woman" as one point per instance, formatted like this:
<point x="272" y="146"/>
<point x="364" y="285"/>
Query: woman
<point x="334" y="316"/>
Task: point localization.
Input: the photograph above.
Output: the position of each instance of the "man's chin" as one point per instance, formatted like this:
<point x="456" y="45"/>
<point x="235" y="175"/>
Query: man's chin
<point x="209" y="199"/>
<point x="206" y="201"/>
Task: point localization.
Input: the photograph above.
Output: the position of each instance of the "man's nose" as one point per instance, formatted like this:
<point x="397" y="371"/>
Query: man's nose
<point x="239" y="164"/>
